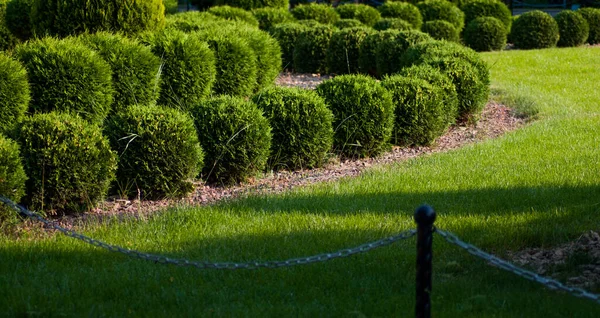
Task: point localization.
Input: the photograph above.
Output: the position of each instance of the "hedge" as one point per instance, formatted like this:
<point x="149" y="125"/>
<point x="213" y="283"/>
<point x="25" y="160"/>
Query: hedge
<point x="14" y="93"/>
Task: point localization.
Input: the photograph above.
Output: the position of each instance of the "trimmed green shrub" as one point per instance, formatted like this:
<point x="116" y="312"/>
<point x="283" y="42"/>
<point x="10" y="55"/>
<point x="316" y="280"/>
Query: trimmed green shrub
<point x="361" y="12"/>
<point x="572" y="27"/>
<point x="68" y="17"/>
<point x="442" y="10"/>
<point x="348" y="23"/>
<point x="301" y="125"/>
<point x="389" y="51"/>
<point x="367" y="55"/>
<point x="14" y="93"/>
<point x="485" y="34"/>
<point x="171" y="6"/>
<point x="420" y="116"/>
<point x="311" y="49"/>
<point x="17" y="18"/>
<point x="188" y="68"/>
<point x="392" y="23"/>
<point x="439" y="79"/>
<point x="66" y="75"/>
<point x="363" y="114"/>
<point x="268" y="17"/>
<point x="592" y="16"/>
<point x="474" y="9"/>
<point x="254" y="4"/>
<point x="234" y="14"/>
<point x="12" y="177"/>
<point x="441" y="30"/>
<point x="134" y="68"/>
<point x="318" y="12"/>
<point x="235" y="136"/>
<point x="68" y="161"/>
<point x="287" y="35"/>
<point x="343" y="51"/>
<point x="159" y="152"/>
<point x="402" y="10"/>
<point x="190" y="21"/>
<point x="267" y="52"/>
<point x="534" y="30"/>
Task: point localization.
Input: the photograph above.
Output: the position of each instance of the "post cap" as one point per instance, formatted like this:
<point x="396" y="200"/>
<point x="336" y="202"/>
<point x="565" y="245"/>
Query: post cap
<point x="424" y="215"/>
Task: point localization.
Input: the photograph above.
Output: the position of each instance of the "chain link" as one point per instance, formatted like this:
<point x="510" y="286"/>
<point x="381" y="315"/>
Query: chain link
<point x="213" y="265"/>
<point x="498" y="262"/>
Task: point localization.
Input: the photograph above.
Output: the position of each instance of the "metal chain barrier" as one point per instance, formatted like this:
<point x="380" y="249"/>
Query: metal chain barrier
<point x="213" y="265"/>
<point x="498" y="262"/>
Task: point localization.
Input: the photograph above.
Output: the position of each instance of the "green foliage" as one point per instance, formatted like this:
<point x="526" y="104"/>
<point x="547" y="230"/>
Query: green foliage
<point x="68" y="17"/>
<point x="361" y="12"/>
<point x="534" y="30"/>
<point x="474" y="9"/>
<point x="402" y="10"/>
<point x="235" y="136"/>
<point x="14" y="93"/>
<point x="390" y="50"/>
<point x="234" y="14"/>
<point x="363" y="114"/>
<point x="268" y="17"/>
<point x="287" y="35"/>
<point x="592" y="16"/>
<point x="159" y="152"/>
<point x="441" y="30"/>
<point x="267" y="52"/>
<point x="301" y="125"/>
<point x="348" y="23"/>
<point x="135" y="70"/>
<point x="311" y="49"/>
<point x="392" y="23"/>
<point x="68" y="161"/>
<point x="254" y="4"/>
<point x="190" y="21"/>
<point x="17" y="18"/>
<point x="318" y="12"/>
<point x="572" y="27"/>
<point x="442" y="10"/>
<point x="367" y="56"/>
<point x="343" y="52"/>
<point x="66" y="75"/>
<point x="485" y="34"/>
<point x="420" y="110"/>
<point x="12" y="177"/>
<point x="171" y="6"/>
<point x="7" y="39"/>
<point x="188" y="68"/>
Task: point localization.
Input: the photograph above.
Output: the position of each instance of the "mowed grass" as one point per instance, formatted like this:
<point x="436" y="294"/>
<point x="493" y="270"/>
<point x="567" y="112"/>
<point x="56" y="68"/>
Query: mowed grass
<point x="535" y="187"/>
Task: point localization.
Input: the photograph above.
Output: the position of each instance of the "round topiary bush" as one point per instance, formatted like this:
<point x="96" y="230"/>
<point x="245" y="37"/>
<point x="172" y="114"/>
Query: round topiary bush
<point x="253" y="4"/>
<point x="311" y="49"/>
<point x="389" y="51"/>
<point x="363" y="114"/>
<point x="68" y="76"/>
<point x="348" y="23"/>
<point x="361" y="12"/>
<point x="14" y="93"/>
<point x="420" y="116"/>
<point x="301" y="125"/>
<point x="343" y="51"/>
<point x="188" y="68"/>
<point x="191" y="21"/>
<point x="68" y="161"/>
<point x="17" y="18"/>
<point x="234" y="14"/>
<point x="235" y="136"/>
<point x="441" y="30"/>
<point x="442" y="10"/>
<point x="474" y="9"/>
<point x="402" y="10"/>
<point x="485" y="34"/>
<point x="68" y="17"/>
<point x="318" y="12"/>
<point x="592" y="16"/>
<point x="287" y="35"/>
<point x="572" y="27"/>
<point x="12" y="178"/>
<point x="159" y="152"/>
<point x="134" y="68"/>
<point x="392" y="23"/>
<point x="268" y="17"/>
<point x="534" y="30"/>
<point x="367" y="55"/>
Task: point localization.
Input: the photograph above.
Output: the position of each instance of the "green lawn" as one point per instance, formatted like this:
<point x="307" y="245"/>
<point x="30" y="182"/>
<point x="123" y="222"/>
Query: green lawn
<point x="538" y="186"/>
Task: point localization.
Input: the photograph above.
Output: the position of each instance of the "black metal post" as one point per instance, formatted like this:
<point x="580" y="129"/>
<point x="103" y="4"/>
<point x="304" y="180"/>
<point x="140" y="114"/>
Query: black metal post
<point x="424" y="216"/>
